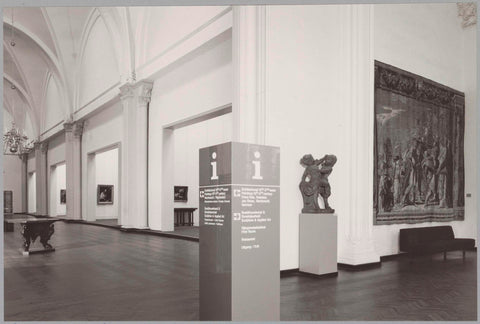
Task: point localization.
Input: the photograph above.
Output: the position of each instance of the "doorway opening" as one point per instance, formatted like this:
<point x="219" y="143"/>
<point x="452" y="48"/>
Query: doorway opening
<point x="57" y="201"/>
<point x="182" y="147"/>
<point x="103" y="186"/>
<point x="32" y="193"/>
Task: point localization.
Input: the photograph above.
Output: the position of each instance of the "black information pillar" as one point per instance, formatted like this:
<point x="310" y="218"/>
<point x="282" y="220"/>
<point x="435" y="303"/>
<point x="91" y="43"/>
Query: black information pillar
<point x="240" y="232"/>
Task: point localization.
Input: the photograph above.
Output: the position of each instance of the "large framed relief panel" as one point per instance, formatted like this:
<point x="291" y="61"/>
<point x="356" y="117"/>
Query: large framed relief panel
<point x="418" y="149"/>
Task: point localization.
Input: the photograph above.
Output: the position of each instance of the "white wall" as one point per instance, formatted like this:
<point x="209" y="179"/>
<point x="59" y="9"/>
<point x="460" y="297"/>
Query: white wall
<point x="32" y="192"/>
<point x="304" y="113"/>
<point x="55" y="157"/>
<point x="308" y="50"/>
<point x="12" y="179"/>
<point x="99" y="66"/>
<point x="428" y="40"/>
<point x="54" y="105"/>
<point x="102" y="130"/>
<point x="187" y="142"/>
<point x="162" y="23"/>
<point x="198" y="83"/>
<point x="106" y="168"/>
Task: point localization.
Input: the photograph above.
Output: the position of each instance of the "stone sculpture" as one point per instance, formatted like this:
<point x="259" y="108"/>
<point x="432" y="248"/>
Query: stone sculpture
<point x="315" y="183"/>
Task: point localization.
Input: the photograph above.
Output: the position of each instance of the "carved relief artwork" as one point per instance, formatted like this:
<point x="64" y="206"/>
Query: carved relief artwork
<point x="315" y="183"/>
<point x="418" y="149"/>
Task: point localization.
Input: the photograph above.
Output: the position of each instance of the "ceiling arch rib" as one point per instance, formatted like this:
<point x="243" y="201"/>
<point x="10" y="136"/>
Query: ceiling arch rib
<point x="24" y="95"/>
<point x="117" y="24"/>
<point x="20" y="71"/>
<point x="96" y="24"/>
<point x="50" y="58"/>
<point x="60" y="57"/>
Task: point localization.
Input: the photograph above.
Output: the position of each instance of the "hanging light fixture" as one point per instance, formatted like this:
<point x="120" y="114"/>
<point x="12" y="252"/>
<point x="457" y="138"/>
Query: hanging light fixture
<point x="16" y="143"/>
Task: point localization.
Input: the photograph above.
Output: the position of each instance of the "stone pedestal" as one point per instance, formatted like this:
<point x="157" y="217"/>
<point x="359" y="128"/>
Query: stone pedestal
<point x="318" y="244"/>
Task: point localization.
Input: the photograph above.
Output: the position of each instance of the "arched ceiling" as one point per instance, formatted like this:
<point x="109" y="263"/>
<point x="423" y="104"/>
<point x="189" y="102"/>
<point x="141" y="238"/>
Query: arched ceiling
<point x="47" y="42"/>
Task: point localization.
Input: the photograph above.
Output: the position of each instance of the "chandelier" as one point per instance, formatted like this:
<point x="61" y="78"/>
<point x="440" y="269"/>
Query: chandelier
<point x="16" y="143"/>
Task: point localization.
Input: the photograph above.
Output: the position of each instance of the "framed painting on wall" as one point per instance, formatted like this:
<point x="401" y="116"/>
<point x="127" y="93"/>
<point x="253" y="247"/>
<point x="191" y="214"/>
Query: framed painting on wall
<point x="104" y="194"/>
<point x="180" y="194"/>
<point x="418" y="149"/>
<point x="63" y="196"/>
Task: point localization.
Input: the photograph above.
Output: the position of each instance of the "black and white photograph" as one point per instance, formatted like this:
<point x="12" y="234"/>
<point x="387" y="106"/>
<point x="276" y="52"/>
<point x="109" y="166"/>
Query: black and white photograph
<point x="104" y="194"/>
<point x="323" y="158"/>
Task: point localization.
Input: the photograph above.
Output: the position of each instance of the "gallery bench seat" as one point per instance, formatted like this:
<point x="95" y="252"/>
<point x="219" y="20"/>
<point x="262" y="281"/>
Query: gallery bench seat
<point x="434" y="239"/>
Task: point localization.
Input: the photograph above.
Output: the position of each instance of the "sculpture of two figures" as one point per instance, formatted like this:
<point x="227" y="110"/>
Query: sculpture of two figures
<point x="315" y="183"/>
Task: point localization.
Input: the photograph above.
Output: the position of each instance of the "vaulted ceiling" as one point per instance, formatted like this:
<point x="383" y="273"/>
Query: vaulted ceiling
<point x="38" y="44"/>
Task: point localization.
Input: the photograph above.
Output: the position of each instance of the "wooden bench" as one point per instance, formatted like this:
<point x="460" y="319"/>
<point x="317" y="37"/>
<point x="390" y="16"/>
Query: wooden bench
<point x="180" y="214"/>
<point x="434" y="239"/>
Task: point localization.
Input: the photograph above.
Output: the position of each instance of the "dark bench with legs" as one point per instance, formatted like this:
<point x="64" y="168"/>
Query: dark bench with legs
<point x="428" y="240"/>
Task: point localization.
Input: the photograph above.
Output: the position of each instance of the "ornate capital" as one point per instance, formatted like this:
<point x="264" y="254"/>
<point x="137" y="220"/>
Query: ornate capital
<point x="126" y="91"/>
<point x="42" y="146"/>
<point x="78" y="129"/>
<point x="468" y="12"/>
<point x="141" y="91"/>
<point x="68" y="126"/>
<point x="144" y="92"/>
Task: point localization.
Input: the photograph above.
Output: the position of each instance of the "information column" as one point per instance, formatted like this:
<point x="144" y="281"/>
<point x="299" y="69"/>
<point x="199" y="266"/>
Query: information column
<point x="239" y="232"/>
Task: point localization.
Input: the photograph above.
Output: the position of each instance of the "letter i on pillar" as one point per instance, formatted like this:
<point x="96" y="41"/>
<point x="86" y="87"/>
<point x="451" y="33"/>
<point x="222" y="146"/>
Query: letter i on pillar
<point x="214" y="167"/>
<point x="257" y="165"/>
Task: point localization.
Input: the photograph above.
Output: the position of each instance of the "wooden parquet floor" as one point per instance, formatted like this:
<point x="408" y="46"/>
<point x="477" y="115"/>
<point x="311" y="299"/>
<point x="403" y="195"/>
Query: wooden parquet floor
<point x="103" y="274"/>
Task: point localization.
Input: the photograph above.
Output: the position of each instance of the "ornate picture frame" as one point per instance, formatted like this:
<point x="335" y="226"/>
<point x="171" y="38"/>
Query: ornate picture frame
<point x="105" y="194"/>
<point x="180" y="194"/>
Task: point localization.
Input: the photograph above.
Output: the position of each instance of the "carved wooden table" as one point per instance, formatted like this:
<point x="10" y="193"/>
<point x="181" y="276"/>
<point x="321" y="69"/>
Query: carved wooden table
<point x="180" y="214"/>
<point x="31" y="229"/>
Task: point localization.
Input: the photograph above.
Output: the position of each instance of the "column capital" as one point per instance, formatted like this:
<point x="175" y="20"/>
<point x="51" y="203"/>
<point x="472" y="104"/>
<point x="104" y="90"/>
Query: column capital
<point x="68" y="126"/>
<point x="42" y="146"/>
<point x="78" y="129"/>
<point x="467" y="11"/>
<point x="141" y="90"/>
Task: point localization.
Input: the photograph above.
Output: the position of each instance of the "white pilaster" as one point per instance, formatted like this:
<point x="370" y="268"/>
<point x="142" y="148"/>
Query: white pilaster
<point x="134" y="154"/>
<point x="73" y="150"/>
<point x="41" y="150"/>
<point x="24" y="186"/>
<point x="249" y="55"/>
<point x="358" y="77"/>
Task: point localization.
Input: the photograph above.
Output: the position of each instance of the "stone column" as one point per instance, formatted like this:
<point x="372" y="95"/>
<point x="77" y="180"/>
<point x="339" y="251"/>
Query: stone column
<point x="73" y="164"/>
<point x="41" y="150"/>
<point x="249" y="73"/>
<point x="24" y="192"/>
<point x="134" y="155"/>
<point x="358" y="76"/>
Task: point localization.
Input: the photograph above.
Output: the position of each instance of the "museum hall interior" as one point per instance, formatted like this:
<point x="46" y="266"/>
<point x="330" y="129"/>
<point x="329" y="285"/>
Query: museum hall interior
<point x="240" y="162"/>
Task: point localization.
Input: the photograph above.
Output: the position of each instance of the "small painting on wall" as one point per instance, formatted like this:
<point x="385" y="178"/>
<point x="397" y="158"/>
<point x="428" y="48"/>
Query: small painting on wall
<point x="180" y="193"/>
<point x="63" y="196"/>
<point x="104" y="194"/>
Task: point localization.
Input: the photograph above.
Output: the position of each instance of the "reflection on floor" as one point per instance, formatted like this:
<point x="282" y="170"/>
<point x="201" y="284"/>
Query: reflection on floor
<point x="108" y="222"/>
<point x="190" y="231"/>
<point x="102" y="274"/>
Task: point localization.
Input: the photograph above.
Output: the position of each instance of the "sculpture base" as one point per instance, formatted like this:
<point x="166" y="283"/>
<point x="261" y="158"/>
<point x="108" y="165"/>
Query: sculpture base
<point x="318" y="243"/>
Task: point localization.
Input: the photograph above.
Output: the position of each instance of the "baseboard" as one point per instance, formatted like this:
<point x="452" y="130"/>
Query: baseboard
<point x="325" y="275"/>
<point x="289" y="272"/>
<point x="359" y="267"/>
